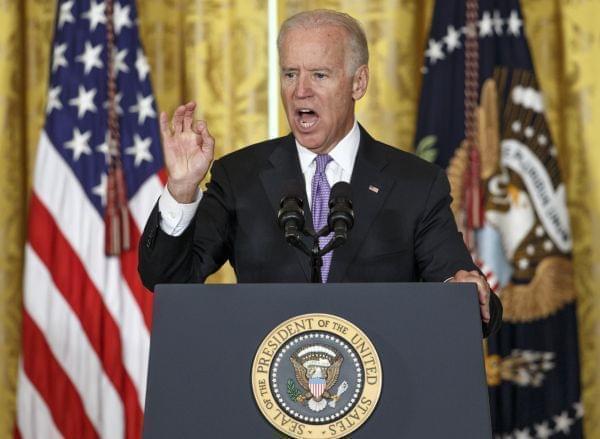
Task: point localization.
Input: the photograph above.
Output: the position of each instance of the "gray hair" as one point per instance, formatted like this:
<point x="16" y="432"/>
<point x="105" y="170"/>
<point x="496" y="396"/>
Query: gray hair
<point x="357" y="41"/>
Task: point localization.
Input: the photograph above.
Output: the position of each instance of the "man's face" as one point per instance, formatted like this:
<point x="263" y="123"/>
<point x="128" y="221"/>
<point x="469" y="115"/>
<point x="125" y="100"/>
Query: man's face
<point x="317" y="89"/>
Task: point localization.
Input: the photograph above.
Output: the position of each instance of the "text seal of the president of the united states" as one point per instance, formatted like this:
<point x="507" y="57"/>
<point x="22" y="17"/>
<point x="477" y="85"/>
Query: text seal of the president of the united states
<point x="316" y="376"/>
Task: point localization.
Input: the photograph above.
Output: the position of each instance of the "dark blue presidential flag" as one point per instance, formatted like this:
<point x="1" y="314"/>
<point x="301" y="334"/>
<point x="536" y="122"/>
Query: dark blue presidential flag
<point x="481" y="117"/>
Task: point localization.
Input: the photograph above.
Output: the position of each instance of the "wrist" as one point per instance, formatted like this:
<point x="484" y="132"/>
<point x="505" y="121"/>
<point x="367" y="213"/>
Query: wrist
<point x="183" y="193"/>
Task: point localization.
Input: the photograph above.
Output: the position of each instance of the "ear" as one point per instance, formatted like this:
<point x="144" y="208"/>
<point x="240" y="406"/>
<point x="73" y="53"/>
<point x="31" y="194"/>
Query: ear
<point x="360" y="82"/>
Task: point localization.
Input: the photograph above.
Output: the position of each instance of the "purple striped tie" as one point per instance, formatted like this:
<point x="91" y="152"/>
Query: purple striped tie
<point x="320" y="208"/>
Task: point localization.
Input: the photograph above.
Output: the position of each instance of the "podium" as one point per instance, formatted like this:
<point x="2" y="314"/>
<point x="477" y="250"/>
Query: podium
<point x="427" y="337"/>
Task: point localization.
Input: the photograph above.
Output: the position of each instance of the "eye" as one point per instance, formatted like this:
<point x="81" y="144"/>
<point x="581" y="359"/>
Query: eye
<point x="289" y="75"/>
<point x="320" y="75"/>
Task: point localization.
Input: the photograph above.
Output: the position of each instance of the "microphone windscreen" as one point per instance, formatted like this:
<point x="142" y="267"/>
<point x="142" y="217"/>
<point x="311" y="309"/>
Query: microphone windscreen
<point x="291" y="213"/>
<point x="292" y="189"/>
<point x="340" y="190"/>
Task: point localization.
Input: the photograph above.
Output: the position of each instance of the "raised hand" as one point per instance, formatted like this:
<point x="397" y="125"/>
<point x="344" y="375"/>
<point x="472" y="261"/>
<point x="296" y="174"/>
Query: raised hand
<point x="188" y="149"/>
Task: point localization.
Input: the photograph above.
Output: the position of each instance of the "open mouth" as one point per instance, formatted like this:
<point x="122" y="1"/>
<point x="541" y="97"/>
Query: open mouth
<point x="306" y="118"/>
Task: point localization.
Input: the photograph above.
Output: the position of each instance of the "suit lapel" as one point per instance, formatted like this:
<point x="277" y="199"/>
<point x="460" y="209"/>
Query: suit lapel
<point x="370" y="188"/>
<point x="285" y="167"/>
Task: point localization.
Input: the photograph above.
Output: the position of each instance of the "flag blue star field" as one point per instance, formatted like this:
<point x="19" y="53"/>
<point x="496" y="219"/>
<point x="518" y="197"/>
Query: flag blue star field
<point x="510" y="201"/>
<point x="86" y="315"/>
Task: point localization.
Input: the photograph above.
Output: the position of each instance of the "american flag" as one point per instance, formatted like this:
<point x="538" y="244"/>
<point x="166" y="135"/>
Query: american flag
<point x="86" y="316"/>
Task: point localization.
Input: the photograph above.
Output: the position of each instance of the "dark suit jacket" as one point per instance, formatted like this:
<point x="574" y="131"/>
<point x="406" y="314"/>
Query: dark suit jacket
<point x="404" y="229"/>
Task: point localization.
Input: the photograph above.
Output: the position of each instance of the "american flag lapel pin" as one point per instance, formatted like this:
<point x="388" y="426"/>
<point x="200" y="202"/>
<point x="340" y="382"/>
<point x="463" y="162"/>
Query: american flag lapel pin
<point x="373" y="188"/>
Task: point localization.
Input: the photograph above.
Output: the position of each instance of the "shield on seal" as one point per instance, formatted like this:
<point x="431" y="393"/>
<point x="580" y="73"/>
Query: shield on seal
<point x="317" y="387"/>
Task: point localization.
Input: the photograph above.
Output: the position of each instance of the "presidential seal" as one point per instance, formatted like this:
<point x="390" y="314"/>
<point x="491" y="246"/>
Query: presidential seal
<point x="316" y="376"/>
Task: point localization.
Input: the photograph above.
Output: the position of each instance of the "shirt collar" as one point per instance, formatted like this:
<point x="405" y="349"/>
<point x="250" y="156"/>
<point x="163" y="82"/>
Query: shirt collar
<point x="343" y="153"/>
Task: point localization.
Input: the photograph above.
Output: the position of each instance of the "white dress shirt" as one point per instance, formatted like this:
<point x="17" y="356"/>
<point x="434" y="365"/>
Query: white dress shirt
<point x="175" y="217"/>
<point x="339" y="169"/>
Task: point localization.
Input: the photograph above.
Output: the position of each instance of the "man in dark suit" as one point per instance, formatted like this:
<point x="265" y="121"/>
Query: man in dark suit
<point x="404" y="227"/>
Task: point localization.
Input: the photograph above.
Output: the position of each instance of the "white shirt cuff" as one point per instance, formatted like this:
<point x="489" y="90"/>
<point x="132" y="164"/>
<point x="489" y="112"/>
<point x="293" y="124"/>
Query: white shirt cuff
<point x="176" y="217"/>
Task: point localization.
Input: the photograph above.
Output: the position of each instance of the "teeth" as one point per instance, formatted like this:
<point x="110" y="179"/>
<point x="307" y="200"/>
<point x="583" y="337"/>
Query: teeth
<point x="307" y="124"/>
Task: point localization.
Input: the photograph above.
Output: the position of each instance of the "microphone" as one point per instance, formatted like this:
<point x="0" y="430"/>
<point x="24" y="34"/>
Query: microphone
<point x="341" y="215"/>
<point x="290" y="216"/>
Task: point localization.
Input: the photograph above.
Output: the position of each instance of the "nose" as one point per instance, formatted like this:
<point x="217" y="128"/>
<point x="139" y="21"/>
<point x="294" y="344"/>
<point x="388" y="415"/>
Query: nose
<point x="303" y="86"/>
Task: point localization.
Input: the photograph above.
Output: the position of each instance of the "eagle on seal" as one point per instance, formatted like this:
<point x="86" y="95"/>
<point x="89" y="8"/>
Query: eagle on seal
<point x="317" y="369"/>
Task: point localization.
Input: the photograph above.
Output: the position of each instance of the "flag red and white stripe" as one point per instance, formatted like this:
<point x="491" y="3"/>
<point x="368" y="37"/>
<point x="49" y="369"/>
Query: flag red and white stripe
<point x="85" y="316"/>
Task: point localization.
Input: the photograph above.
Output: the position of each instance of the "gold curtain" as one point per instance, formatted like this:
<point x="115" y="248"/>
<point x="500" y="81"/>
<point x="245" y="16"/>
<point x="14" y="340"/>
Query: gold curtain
<point x="25" y="35"/>
<point x="565" y="41"/>
<point x="216" y="53"/>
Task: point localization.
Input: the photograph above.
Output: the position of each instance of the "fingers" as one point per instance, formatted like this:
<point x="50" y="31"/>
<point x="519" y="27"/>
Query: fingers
<point x="188" y="115"/>
<point x="203" y="136"/>
<point x="459" y="276"/>
<point x="177" y="121"/>
<point x="183" y="117"/>
<point x="183" y="121"/>
<point x="197" y="127"/>
<point x="485" y="312"/>
<point x="483" y="290"/>
<point x="164" y="125"/>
